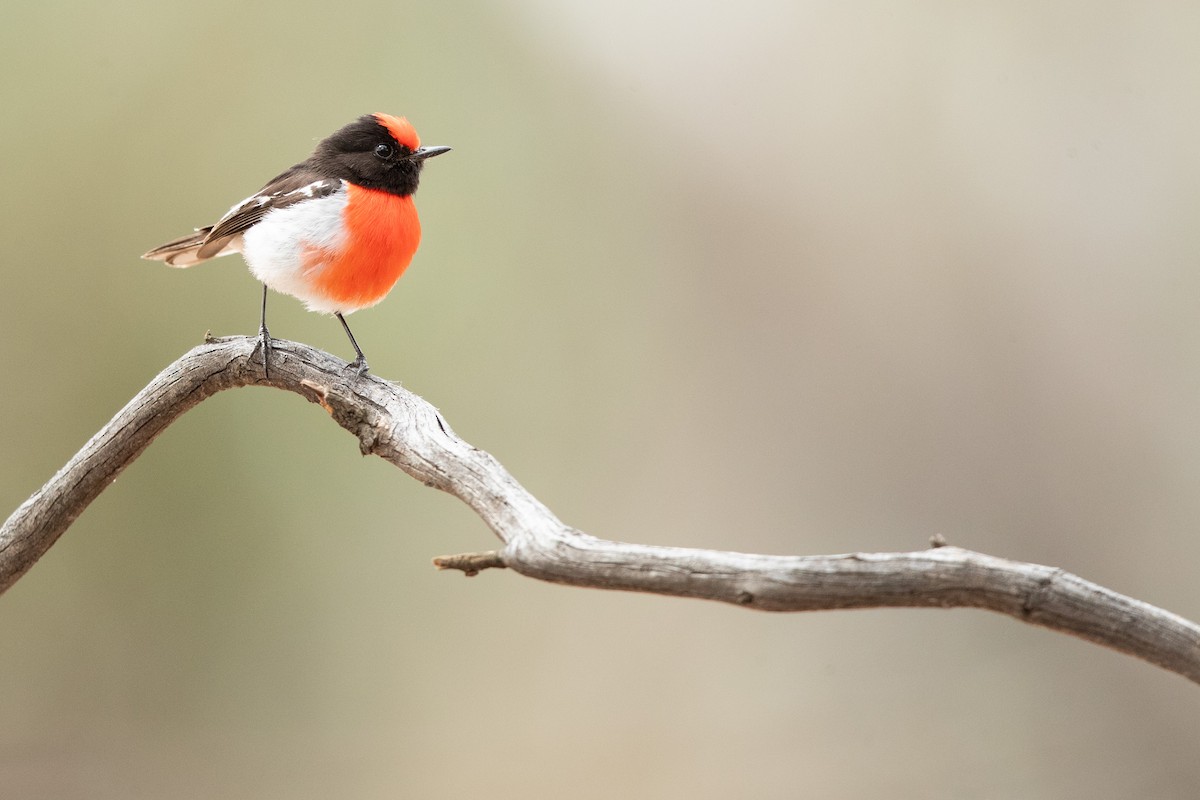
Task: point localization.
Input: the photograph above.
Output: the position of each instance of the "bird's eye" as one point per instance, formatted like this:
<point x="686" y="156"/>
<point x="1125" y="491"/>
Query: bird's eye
<point x="384" y="151"/>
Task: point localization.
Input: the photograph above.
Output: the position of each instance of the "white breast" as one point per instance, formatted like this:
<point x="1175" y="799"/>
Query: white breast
<point x="275" y="248"/>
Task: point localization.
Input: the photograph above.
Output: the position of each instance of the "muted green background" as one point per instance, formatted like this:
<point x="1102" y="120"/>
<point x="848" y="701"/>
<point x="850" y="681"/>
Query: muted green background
<point x="779" y="277"/>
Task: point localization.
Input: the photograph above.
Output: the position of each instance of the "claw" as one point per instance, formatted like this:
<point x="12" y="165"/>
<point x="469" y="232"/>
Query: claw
<point x="361" y="361"/>
<point x="265" y="341"/>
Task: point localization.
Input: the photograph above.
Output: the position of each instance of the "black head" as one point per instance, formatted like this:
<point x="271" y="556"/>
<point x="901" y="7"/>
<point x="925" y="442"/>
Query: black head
<point x="377" y="151"/>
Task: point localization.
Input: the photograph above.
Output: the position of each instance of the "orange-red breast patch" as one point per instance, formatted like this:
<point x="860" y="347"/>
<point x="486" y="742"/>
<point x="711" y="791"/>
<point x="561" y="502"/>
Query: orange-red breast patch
<point x="382" y="234"/>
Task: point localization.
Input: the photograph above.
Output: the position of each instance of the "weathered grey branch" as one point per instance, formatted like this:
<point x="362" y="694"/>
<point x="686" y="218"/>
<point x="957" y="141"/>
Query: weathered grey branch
<point x="400" y="427"/>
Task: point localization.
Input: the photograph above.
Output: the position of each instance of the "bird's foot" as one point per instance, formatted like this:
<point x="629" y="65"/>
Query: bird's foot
<point x="360" y="366"/>
<point x="264" y="338"/>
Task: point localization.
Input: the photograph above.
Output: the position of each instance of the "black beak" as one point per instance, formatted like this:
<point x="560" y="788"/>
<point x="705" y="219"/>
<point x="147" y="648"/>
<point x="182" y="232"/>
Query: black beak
<point x="422" y="153"/>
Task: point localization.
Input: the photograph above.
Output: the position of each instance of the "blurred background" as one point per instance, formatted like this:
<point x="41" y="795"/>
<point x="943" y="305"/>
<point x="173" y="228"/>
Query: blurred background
<point x="784" y="277"/>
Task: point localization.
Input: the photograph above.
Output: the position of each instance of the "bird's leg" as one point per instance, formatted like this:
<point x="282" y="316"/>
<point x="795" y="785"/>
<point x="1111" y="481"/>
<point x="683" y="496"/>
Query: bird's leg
<point x="361" y="361"/>
<point x="265" y="335"/>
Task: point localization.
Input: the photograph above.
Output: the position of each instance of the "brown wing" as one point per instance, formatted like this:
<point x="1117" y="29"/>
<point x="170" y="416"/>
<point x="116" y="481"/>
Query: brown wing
<point x="294" y="186"/>
<point x="180" y="252"/>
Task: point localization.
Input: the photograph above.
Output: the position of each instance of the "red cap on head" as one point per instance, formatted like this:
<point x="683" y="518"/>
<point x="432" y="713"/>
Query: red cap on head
<point x="401" y="130"/>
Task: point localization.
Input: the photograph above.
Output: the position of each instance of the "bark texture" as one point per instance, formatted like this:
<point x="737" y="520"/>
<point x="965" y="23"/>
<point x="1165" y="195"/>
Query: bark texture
<point x="400" y="427"/>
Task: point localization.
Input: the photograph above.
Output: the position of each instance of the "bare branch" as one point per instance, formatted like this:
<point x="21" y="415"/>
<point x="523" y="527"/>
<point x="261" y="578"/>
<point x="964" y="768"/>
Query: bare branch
<point x="471" y="564"/>
<point x="398" y="426"/>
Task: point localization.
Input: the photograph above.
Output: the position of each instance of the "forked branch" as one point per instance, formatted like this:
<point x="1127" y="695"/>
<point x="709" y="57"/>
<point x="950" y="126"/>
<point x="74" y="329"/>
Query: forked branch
<point x="395" y="424"/>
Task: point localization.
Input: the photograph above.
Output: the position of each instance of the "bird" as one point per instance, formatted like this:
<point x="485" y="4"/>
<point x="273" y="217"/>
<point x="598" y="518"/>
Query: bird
<point x="335" y="231"/>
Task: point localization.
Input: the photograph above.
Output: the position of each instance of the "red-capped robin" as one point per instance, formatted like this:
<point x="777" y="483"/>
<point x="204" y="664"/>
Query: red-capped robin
<point x="336" y="230"/>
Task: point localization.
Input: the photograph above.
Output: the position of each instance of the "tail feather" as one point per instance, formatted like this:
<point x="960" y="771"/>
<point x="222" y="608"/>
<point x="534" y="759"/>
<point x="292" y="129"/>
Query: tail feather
<point x="182" y="252"/>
